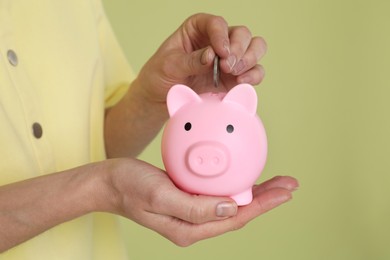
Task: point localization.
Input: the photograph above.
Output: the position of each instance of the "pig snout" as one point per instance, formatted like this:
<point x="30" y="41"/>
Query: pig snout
<point x="207" y="159"/>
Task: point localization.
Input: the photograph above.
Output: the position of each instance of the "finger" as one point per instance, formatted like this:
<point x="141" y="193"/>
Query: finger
<point x="285" y="182"/>
<point x="261" y="204"/>
<point x="255" y="51"/>
<point x="212" y="29"/>
<point x="240" y="38"/>
<point x="198" y="62"/>
<point x="193" y="208"/>
<point x="254" y="76"/>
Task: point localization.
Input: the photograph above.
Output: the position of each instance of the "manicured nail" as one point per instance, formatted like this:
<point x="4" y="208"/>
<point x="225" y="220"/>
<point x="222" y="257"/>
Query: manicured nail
<point x="231" y="61"/>
<point x="226" y="46"/>
<point x="226" y="209"/>
<point x="244" y="79"/>
<point x="206" y="57"/>
<point x="239" y="67"/>
<point x="294" y="188"/>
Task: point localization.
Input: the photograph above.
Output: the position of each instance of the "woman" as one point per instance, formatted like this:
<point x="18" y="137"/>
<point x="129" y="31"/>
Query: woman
<point x="73" y="117"/>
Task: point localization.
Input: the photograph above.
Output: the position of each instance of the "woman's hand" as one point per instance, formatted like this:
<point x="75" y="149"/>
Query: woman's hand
<point x="131" y="188"/>
<point x="146" y="195"/>
<point x="187" y="56"/>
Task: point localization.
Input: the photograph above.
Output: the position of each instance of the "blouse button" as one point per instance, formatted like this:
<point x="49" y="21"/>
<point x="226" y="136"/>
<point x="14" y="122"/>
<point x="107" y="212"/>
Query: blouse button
<point x="37" y="130"/>
<point x="12" y="58"/>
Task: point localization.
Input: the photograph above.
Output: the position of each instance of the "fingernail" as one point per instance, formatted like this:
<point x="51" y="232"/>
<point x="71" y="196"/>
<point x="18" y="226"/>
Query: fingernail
<point x="244" y="79"/>
<point x="226" y="46"/>
<point x="294" y="188"/>
<point x="239" y="67"/>
<point x="226" y="209"/>
<point x="231" y="61"/>
<point x="206" y="57"/>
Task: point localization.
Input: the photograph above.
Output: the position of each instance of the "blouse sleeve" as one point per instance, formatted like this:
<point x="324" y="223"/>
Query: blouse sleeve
<point x="117" y="72"/>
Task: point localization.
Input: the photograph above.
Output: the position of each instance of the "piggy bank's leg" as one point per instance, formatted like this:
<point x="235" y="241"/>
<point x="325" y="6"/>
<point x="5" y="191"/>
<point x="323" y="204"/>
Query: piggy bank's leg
<point x="243" y="198"/>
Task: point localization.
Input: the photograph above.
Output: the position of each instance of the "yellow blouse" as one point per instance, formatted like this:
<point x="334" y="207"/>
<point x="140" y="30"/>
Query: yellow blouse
<point x="60" y="66"/>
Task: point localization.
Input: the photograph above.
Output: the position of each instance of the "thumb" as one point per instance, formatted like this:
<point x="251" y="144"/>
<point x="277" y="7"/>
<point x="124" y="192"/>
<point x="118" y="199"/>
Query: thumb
<point x="199" y="61"/>
<point x="197" y="209"/>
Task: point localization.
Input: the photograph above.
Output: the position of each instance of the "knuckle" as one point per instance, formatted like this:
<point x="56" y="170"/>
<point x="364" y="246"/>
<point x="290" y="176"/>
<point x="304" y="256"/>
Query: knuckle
<point x="168" y="66"/>
<point x="155" y="199"/>
<point x="261" y="206"/>
<point x="165" y="66"/>
<point x="214" y="20"/>
<point x="197" y="214"/>
<point x="191" y="63"/>
<point x="239" y="225"/>
<point x="260" y="46"/>
<point x="244" y="30"/>
<point x="216" y="23"/>
<point x="182" y="240"/>
<point x="219" y="20"/>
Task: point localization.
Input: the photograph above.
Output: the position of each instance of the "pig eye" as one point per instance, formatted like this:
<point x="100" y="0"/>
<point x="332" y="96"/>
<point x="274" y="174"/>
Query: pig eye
<point x="230" y="129"/>
<point x="187" y="126"/>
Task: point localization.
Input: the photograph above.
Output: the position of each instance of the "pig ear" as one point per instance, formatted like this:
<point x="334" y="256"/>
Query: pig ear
<point x="245" y="95"/>
<point x="178" y="96"/>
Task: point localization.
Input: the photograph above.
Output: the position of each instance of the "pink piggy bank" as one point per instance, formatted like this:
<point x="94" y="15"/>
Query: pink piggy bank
<point x="214" y="143"/>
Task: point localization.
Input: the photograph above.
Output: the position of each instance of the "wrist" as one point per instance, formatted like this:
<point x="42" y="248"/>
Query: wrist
<point x="152" y="100"/>
<point x="105" y="193"/>
<point x="133" y="122"/>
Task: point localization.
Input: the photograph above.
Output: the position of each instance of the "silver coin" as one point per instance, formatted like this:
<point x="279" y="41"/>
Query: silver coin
<point x="216" y="71"/>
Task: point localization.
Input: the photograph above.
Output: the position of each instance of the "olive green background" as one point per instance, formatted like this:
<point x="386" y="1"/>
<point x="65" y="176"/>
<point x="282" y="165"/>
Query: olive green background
<point x="325" y="103"/>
